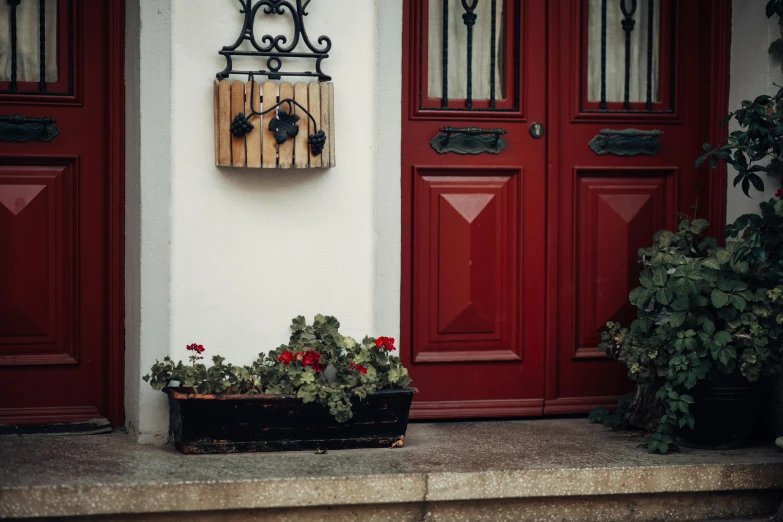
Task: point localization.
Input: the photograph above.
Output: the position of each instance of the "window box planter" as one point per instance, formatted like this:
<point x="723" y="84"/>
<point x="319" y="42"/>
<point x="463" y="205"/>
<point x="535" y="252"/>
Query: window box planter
<point x="322" y="390"/>
<point x="204" y="423"/>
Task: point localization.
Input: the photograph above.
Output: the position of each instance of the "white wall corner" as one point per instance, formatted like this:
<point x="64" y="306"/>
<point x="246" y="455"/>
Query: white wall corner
<point x="388" y="187"/>
<point x="147" y="212"/>
<point x="753" y="72"/>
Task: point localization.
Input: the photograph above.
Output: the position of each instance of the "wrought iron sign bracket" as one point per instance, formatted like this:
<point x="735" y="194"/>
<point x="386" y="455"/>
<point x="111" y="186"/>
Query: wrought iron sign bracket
<point x="18" y="129"/>
<point x="468" y="140"/>
<point x="626" y="142"/>
<point x="276" y="49"/>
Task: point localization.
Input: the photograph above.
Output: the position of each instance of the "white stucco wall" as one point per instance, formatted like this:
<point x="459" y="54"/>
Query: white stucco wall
<point x="753" y="72"/>
<point x="226" y="257"/>
<point x="147" y="212"/>
<point x="252" y="248"/>
<point x="388" y="189"/>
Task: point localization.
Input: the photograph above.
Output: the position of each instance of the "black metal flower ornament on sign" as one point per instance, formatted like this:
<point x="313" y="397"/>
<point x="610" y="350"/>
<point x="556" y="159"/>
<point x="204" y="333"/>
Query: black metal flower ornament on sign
<point x="284" y="124"/>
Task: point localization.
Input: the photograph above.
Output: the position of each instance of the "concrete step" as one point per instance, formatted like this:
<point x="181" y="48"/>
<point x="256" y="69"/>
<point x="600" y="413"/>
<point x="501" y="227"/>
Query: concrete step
<point x="558" y="470"/>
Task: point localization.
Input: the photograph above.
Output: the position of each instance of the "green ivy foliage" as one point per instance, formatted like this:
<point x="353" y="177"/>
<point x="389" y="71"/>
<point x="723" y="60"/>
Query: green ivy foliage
<point x="760" y="137"/>
<point x="318" y="364"/>
<point x="703" y="310"/>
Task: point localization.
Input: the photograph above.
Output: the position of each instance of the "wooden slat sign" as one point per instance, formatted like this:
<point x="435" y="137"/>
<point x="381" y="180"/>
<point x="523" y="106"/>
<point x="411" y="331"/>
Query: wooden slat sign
<point x="259" y="149"/>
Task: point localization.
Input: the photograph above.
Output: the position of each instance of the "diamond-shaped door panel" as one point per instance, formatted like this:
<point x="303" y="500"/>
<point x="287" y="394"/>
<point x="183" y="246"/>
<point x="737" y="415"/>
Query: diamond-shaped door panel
<point x="466" y="237"/>
<point x="37" y="231"/>
<point x="466" y="263"/>
<point x="616" y="216"/>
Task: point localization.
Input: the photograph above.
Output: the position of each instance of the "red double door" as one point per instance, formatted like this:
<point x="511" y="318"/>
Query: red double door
<point x="61" y="212"/>
<point x="515" y="256"/>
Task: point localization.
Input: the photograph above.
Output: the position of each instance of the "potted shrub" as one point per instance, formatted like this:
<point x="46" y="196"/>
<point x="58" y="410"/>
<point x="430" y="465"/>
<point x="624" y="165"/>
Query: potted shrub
<point x="709" y="326"/>
<point x="321" y="391"/>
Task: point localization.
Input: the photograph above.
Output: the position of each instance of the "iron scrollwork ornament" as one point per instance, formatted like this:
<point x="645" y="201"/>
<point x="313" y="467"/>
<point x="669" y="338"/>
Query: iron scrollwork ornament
<point x="19" y="129"/>
<point x="626" y="142"/>
<point x="276" y="49"/>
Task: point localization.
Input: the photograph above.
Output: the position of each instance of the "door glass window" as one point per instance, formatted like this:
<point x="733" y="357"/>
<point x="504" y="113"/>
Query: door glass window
<point x="466" y="50"/>
<point x="623" y="55"/>
<point x="28" y="41"/>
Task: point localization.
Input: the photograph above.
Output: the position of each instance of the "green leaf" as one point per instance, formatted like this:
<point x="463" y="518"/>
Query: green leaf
<point x="677" y="318"/>
<point x="645" y="278"/>
<point x="659" y="277"/>
<point x="758" y="183"/>
<point x="722" y="338"/>
<point x="719" y="298"/>
<point x="708" y="326"/>
<point x="711" y="262"/>
<point x="633" y="297"/>
<point x="664" y="295"/>
<point x="723" y="255"/>
<point x="681" y="304"/>
<point x="738" y="302"/>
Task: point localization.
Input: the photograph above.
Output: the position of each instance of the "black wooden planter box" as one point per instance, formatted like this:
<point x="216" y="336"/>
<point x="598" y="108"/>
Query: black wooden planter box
<point x="239" y="423"/>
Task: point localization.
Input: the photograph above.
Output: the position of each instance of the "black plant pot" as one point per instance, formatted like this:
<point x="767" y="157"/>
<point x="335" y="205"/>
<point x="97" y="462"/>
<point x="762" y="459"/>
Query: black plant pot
<point x="202" y="423"/>
<point x="725" y="411"/>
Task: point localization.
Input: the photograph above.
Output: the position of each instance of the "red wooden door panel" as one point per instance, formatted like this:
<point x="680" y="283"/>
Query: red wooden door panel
<point x="57" y="227"/>
<point x="469" y="224"/>
<point x="618" y="212"/>
<point x="473" y="225"/>
<point x="603" y="208"/>
<point x="37" y="231"/>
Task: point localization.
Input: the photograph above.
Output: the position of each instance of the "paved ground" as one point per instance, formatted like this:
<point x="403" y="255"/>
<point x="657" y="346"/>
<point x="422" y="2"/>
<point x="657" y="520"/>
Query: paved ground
<point x="48" y="475"/>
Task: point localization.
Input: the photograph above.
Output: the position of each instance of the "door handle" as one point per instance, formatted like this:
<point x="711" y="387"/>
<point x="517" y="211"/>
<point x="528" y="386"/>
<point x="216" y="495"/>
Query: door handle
<point x="18" y="129"/>
<point x="468" y="140"/>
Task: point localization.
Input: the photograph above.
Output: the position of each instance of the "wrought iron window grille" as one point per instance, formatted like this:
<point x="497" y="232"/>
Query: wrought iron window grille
<point x="283" y="124"/>
<point x="13" y="81"/>
<point x="276" y="49"/>
<point x="629" y="10"/>
<point x="469" y="19"/>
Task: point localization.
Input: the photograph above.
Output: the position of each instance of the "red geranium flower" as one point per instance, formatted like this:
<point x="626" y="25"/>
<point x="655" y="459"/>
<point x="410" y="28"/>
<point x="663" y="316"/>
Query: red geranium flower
<point x="387" y="343"/>
<point x="310" y="358"/>
<point x="779" y="193"/>
<point x="358" y="367"/>
<point x="285" y="358"/>
<point x="196" y="348"/>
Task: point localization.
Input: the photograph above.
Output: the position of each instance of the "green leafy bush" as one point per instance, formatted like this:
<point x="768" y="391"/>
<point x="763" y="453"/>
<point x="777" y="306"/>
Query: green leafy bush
<point x="703" y="310"/>
<point x="318" y="364"/>
<point x="758" y="144"/>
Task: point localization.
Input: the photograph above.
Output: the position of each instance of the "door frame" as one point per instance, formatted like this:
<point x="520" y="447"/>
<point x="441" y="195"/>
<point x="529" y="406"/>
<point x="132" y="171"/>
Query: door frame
<point x="715" y="46"/>
<point x="115" y="373"/>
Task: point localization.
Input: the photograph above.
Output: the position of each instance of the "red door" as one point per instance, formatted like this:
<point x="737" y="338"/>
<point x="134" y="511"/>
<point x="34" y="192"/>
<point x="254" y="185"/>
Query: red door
<point x="60" y="211"/>
<point x="514" y="258"/>
<point x="473" y="225"/>
<point x="623" y="137"/>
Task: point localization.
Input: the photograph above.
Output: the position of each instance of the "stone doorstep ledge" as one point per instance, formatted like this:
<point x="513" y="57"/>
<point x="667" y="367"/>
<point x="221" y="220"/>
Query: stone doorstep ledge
<point x="96" y="499"/>
<point x="442" y="463"/>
